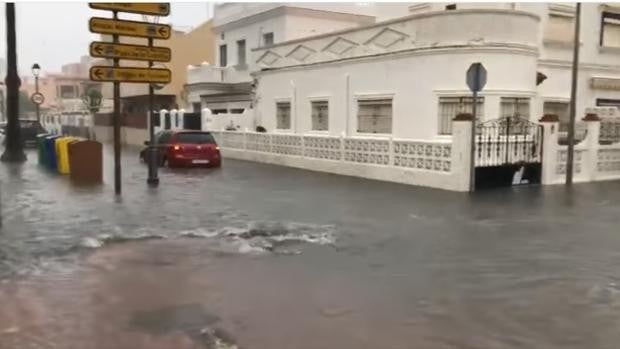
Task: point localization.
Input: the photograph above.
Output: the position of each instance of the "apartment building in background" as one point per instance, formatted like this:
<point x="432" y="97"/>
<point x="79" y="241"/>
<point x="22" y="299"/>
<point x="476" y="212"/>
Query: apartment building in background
<point x="353" y="81"/>
<point x="190" y="47"/>
<point x="226" y="84"/>
<point x="63" y="91"/>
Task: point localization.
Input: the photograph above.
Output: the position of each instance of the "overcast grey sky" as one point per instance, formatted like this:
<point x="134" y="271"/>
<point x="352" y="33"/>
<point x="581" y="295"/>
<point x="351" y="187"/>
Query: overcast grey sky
<point x="53" y="34"/>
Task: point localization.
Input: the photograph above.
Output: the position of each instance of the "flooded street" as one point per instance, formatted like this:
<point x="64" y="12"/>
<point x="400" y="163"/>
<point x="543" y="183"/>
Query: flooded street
<point x="259" y="256"/>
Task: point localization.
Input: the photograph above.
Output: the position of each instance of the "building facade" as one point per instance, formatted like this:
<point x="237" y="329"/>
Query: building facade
<point x="375" y="91"/>
<point x="226" y="85"/>
<point x="188" y="48"/>
<point x="408" y="74"/>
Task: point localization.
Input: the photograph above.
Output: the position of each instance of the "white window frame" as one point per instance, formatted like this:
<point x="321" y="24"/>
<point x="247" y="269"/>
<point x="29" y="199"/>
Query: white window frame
<point x="370" y="97"/>
<point x="327" y="99"/>
<point x="291" y="125"/>
<point x="263" y="36"/>
<point x="245" y="53"/>
<point x="529" y="99"/>
<point x="479" y="111"/>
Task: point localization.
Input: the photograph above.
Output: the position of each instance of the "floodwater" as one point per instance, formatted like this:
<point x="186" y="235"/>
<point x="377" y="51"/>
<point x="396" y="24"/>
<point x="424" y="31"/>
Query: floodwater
<point x="260" y="256"/>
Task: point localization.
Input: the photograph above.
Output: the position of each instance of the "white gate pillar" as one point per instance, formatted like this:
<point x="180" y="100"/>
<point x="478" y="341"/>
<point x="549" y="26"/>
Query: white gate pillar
<point x="181" y="119"/>
<point x="460" y="164"/>
<point x="206" y="120"/>
<point x="173" y="119"/>
<point x="589" y="165"/>
<point x="162" y="120"/>
<point x="551" y="127"/>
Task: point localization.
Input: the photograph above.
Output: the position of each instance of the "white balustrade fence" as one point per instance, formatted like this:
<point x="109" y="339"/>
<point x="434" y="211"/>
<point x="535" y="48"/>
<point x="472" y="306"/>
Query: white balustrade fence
<point x="428" y="163"/>
<point x="596" y="157"/>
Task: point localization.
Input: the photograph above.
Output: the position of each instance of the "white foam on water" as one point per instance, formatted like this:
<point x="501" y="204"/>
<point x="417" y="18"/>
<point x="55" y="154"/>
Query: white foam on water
<point x="199" y="233"/>
<point x="254" y="238"/>
<point x="246" y="247"/>
<point x="319" y="239"/>
<point x="91" y="243"/>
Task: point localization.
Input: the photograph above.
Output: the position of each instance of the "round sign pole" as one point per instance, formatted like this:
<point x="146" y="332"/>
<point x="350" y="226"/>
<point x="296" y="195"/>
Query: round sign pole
<point x="476" y="78"/>
<point x="37" y="98"/>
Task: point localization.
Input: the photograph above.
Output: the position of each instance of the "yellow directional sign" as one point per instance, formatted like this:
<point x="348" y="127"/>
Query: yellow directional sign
<point x="101" y="73"/>
<point x="133" y="52"/>
<point x="129" y="28"/>
<point x="144" y="8"/>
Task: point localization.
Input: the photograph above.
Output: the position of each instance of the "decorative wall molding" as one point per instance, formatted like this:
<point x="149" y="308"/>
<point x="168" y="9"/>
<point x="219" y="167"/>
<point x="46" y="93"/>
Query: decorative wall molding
<point x="605" y="83"/>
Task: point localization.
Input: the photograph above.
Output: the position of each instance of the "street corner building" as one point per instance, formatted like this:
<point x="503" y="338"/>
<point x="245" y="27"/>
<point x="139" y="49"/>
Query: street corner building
<point x="379" y="91"/>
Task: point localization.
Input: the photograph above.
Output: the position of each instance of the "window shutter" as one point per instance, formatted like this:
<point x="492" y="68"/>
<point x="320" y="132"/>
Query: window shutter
<point x="374" y="116"/>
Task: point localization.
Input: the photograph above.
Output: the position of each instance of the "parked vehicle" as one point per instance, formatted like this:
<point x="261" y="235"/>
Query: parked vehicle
<point x="184" y="149"/>
<point x="29" y="131"/>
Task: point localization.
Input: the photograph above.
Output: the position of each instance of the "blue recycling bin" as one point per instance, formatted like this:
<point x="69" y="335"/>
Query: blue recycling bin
<point x="50" y="152"/>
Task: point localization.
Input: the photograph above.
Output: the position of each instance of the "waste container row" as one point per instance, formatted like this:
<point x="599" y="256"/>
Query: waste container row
<point x="77" y="157"/>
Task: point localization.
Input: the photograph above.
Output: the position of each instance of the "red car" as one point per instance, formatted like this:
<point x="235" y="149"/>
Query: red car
<point x="185" y="149"/>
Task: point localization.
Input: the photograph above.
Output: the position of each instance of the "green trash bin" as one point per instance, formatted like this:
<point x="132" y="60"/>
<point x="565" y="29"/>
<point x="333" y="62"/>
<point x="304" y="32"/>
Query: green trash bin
<point x="41" y="147"/>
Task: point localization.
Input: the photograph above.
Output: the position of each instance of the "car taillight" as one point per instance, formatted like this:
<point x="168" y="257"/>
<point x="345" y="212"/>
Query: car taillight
<point x="176" y="147"/>
<point x="217" y="148"/>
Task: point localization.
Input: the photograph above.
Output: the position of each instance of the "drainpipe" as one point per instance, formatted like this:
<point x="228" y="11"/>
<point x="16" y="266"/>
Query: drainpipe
<point x="347" y="104"/>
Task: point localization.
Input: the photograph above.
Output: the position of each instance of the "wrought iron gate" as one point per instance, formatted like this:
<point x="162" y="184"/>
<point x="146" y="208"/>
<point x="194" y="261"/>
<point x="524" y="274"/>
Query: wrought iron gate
<point x="508" y="141"/>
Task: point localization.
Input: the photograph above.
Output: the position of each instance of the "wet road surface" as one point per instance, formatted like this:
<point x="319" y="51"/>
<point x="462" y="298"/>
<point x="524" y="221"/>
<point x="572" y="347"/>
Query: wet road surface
<point x="273" y="257"/>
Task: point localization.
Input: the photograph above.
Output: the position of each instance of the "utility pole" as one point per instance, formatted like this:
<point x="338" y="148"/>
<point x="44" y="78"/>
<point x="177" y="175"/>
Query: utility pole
<point x="573" y="99"/>
<point x="36" y="70"/>
<point x="153" y="153"/>
<point x="13" y="150"/>
<point x="117" y="122"/>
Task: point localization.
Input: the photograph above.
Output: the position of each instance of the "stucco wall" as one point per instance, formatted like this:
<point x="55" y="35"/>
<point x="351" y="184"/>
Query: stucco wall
<point x="252" y="34"/>
<point x="415" y="81"/>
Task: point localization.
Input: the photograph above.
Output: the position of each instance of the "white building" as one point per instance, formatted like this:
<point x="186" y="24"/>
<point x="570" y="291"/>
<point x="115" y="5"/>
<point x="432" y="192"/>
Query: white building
<point x="401" y="74"/>
<point x="226" y="86"/>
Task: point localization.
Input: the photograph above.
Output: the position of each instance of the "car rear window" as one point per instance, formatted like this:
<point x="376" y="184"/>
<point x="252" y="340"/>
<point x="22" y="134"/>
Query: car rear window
<point x="195" y="138"/>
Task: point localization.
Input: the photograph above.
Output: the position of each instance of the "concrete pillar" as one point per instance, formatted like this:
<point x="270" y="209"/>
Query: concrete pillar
<point x="162" y="120"/>
<point x="551" y="127"/>
<point x="589" y="163"/>
<point x="181" y="119"/>
<point x="206" y="120"/>
<point x="461" y="152"/>
<point x="173" y="119"/>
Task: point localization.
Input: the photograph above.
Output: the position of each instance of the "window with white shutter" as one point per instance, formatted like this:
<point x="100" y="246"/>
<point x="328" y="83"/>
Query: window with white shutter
<point x="449" y="107"/>
<point x="283" y="115"/>
<point x="515" y="107"/>
<point x="374" y="115"/>
<point x="320" y="115"/>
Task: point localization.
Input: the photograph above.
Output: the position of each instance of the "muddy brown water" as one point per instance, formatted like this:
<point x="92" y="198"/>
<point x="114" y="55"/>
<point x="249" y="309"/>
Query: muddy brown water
<point x="270" y="257"/>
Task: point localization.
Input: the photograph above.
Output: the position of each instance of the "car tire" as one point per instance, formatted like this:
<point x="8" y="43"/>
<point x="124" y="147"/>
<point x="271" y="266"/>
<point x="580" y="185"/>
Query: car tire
<point x="164" y="162"/>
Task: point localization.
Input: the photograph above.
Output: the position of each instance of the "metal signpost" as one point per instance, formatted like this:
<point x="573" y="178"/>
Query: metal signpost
<point x="101" y="49"/>
<point x="117" y="74"/>
<point x="37" y="98"/>
<point x="476" y="79"/>
<point x="127" y="74"/>
<point x="129" y="28"/>
<point x="143" y="8"/>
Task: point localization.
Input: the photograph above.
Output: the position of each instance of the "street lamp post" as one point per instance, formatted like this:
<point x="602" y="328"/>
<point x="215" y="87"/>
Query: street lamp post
<point x="14" y="149"/>
<point x="36" y="69"/>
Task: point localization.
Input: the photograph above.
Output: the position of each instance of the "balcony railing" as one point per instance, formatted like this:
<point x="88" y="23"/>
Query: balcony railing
<point x="209" y="74"/>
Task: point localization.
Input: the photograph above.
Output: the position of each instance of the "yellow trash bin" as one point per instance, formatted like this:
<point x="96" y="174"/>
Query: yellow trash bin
<point x="62" y="154"/>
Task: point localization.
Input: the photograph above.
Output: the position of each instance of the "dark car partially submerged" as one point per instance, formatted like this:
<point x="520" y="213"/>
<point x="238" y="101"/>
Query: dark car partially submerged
<point x="29" y="129"/>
